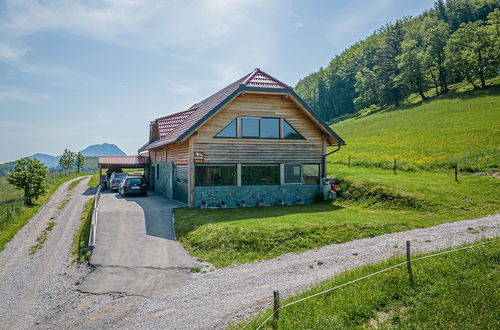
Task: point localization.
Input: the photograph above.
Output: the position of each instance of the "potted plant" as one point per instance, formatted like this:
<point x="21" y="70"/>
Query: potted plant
<point x="243" y="204"/>
<point x="223" y="205"/>
<point x="261" y="203"/>
<point x="203" y="205"/>
<point x="280" y="202"/>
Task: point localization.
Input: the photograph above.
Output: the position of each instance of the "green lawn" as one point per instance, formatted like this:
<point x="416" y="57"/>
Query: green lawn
<point x="458" y="290"/>
<point x="460" y="127"/>
<point x="375" y="201"/>
<point x="14" y="214"/>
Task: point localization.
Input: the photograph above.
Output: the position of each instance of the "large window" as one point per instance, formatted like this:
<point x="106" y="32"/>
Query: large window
<point x="250" y="127"/>
<point x="229" y="131"/>
<point x="260" y="174"/>
<point x="292" y="173"/>
<point x="215" y="175"/>
<point x="269" y="128"/>
<point x="310" y="173"/>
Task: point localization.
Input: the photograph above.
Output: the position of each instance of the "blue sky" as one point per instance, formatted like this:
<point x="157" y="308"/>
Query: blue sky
<point x="75" y="73"/>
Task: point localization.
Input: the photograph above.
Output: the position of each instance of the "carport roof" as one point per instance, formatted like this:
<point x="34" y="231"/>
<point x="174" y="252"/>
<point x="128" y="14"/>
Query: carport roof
<point x="123" y="160"/>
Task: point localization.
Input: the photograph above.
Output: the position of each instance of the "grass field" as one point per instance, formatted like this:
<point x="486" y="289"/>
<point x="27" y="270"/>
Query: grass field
<point x="14" y="214"/>
<point x="458" y="290"/>
<point x="81" y="238"/>
<point x="375" y="201"/>
<point x="460" y="127"/>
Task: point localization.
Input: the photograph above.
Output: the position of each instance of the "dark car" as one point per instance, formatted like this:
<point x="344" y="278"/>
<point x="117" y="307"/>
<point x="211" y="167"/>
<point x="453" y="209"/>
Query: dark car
<point x="133" y="185"/>
<point x="115" y="180"/>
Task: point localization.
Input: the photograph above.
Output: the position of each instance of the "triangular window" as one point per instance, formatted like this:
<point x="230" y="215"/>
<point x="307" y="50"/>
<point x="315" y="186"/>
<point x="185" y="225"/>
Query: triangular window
<point x="290" y="133"/>
<point x="229" y="131"/>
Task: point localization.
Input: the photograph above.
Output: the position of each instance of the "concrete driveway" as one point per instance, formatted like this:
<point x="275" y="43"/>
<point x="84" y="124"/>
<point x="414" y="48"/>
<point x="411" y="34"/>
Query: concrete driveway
<point x="136" y="252"/>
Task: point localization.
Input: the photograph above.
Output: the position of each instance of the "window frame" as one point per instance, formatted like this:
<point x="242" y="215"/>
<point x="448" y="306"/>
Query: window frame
<point x="279" y="129"/>
<point x="319" y="174"/>
<point x="301" y="137"/>
<point x="261" y="164"/>
<point x="226" y="137"/>
<point x="284" y="173"/>
<point x="258" y="126"/>
<point x="235" y="179"/>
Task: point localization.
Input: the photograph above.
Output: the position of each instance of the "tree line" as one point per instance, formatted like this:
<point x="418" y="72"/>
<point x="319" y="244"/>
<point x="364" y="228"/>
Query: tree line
<point x="457" y="40"/>
<point x="30" y="175"/>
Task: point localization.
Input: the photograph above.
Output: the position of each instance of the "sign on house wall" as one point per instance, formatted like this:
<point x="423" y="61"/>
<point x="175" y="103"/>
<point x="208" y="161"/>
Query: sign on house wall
<point x="199" y="157"/>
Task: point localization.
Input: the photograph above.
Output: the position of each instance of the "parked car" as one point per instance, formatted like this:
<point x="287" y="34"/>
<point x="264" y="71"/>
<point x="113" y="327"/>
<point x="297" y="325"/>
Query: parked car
<point x="135" y="185"/>
<point x="115" y="180"/>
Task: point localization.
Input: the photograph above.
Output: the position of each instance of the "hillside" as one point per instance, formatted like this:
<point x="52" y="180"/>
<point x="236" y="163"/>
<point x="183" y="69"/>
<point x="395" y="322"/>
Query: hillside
<point x="459" y="127"/>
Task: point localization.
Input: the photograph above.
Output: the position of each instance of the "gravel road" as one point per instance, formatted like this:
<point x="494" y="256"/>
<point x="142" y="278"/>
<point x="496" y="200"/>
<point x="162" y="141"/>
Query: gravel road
<point x="32" y="284"/>
<point x="40" y="292"/>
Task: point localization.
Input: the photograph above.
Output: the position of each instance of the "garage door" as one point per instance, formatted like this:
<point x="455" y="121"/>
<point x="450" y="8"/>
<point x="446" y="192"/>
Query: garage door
<point x="181" y="183"/>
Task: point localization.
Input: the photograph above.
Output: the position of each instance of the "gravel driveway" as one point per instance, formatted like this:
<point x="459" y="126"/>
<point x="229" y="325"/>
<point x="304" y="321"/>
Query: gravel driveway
<point x="217" y="298"/>
<point x="40" y="292"/>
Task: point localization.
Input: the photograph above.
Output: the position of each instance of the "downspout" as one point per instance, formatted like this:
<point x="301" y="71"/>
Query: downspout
<point x="324" y="160"/>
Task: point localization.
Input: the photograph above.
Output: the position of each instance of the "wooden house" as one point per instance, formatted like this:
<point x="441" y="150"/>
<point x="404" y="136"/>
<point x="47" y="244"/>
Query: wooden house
<point x="253" y="142"/>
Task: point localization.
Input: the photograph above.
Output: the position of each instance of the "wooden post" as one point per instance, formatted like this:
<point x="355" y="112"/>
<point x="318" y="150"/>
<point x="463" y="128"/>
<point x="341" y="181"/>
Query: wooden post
<point x="408" y="262"/>
<point x="276" y="308"/>
<point x="349" y="161"/>
<point x="456" y="172"/>
<point x="395" y="166"/>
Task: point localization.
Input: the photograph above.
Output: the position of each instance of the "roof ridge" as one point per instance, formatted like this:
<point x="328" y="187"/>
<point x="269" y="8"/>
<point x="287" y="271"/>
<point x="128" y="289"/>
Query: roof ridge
<point x="271" y="77"/>
<point x="250" y="76"/>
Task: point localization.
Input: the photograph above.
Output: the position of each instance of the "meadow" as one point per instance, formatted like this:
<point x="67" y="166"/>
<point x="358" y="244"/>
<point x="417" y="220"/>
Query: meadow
<point x="14" y="214"/>
<point x="461" y="127"/>
<point x="388" y="301"/>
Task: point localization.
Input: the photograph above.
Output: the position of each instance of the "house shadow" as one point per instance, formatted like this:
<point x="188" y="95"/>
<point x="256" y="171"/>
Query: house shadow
<point x="90" y="191"/>
<point x="157" y="217"/>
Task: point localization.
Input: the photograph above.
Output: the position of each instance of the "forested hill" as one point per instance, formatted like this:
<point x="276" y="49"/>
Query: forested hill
<point x="457" y="40"/>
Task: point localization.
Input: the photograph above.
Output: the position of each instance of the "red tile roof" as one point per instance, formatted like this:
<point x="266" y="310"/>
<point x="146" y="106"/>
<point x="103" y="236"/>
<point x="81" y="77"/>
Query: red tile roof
<point x="173" y="127"/>
<point x="123" y="160"/>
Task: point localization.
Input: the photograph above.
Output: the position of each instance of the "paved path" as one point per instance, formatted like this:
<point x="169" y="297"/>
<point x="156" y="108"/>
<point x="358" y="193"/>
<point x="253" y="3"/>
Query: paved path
<point x="135" y="240"/>
<point x="217" y="298"/>
<point x="32" y="285"/>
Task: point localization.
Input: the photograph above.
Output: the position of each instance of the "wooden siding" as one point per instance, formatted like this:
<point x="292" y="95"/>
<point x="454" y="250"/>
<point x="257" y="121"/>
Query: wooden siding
<point x="160" y="155"/>
<point x="178" y="152"/>
<point x="239" y="150"/>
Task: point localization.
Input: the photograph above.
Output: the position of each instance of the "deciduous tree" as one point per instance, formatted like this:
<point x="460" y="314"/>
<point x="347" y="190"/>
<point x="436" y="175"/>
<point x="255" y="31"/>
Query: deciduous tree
<point x="67" y="160"/>
<point x="29" y="175"/>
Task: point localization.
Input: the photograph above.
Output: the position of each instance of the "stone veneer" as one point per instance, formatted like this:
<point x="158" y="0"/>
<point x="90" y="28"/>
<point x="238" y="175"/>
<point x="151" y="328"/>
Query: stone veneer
<point x="164" y="184"/>
<point x="233" y="195"/>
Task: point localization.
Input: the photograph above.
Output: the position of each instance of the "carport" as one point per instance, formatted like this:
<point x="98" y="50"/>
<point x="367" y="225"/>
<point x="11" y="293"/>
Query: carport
<point x="120" y="162"/>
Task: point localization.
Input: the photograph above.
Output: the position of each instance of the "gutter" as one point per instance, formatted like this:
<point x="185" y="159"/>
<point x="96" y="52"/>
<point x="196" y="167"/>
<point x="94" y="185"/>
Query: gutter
<point x="324" y="160"/>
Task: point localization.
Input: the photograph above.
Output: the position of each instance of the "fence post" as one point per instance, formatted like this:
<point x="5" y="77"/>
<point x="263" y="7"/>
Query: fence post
<point x="456" y="172"/>
<point x="395" y="166"/>
<point x="408" y="262"/>
<point x="276" y="308"/>
<point x="349" y="162"/>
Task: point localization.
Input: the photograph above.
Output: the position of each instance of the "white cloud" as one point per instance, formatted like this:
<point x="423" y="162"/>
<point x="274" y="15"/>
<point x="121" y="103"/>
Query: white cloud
<point x="23" y="96"/>
<point x="229" y="31"/>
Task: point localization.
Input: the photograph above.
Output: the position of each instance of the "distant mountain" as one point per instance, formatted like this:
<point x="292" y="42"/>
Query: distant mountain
<point x="90" y="153"/>
<point x="48" y="160"/>
<point x="105" y="149"/>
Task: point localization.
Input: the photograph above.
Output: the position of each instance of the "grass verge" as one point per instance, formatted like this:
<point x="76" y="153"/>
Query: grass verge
<point x="81" y="238"/>
<point x="42" y="238"/>
<point x="14" y="214"/>
<point x="375" y="202"/>
<point x="73" y="184"/>
<point x="458" y="290"/>
<point x="94" y="180"/>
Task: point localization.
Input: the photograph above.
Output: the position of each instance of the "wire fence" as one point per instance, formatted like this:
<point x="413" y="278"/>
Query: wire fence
<point x="93" y="224"/>
<point x="277" y="307"/>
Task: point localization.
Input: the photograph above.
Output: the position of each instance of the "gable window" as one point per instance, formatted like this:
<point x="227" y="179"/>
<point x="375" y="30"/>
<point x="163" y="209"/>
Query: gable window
<point x="269" y="128"/>
<point x="290" y="133"/>
<point x="250" y="127"/>
<point x="293" y="173"/>
<point x="310" y="174"/>
<point x="229" y="131"/>
<point x="215" y="175"/>
<point x="252" y="175"/>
